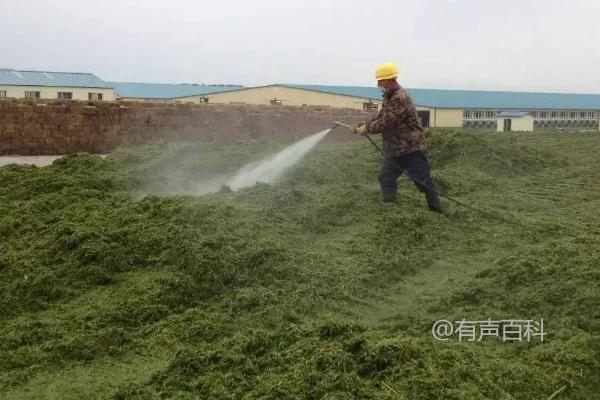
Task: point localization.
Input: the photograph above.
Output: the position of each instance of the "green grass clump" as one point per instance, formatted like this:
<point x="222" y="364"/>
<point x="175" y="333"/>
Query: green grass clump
<point x="119" y="284"/>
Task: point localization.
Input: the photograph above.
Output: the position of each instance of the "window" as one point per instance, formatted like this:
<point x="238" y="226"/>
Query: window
<point x="276" y="102"/>
<point x="582" y="115"/>
<point x="490" y="114"/>
<point x="2" y="94"/>
<point x="64" y="95"/>
<point x="370" y="106"/>
<point x="32" y="94"/>
<point x="573" y="114"/>
<point x="554" y="114"/>
<point x="94" y="96"/>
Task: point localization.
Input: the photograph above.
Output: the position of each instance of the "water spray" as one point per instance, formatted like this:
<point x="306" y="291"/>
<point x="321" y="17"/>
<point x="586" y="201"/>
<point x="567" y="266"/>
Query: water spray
<point x="270" y="169"/>
<point x="266" y="170"/>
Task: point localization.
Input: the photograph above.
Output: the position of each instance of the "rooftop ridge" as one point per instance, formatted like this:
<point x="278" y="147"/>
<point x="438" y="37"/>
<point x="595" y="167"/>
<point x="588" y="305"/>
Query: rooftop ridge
<point x="162" y="83"/>
<point x="437" y="89"/>
<point x="46" y="72"/>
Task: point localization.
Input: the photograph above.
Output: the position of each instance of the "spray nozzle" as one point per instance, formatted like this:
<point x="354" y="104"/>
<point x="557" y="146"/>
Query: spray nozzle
<point x="343" y="125"/>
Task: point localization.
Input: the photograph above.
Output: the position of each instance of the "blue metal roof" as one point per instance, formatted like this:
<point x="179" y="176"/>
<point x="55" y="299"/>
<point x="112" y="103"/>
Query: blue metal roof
<point x="134" y="90"/>
<point x="355" y="91"/>
<point x="513" y="114"/>
<point x="9" y="76"/>
<point x="440" y="98"/>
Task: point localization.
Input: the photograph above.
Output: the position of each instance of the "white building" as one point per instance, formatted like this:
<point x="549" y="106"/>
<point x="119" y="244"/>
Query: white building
<point x="21" y="84"/>
<point x="509" y="121"/>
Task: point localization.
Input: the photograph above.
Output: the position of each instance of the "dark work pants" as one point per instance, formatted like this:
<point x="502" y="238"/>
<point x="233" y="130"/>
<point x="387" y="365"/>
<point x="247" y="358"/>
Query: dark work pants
<point x="415" y="164"/>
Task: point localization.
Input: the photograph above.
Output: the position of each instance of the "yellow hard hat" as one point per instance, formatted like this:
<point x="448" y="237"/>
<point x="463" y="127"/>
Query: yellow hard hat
<point x="386" y="71"/>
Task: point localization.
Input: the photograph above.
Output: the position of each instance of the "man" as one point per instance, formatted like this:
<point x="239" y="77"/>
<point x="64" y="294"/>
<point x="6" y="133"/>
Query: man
<point x="403" y="140"/>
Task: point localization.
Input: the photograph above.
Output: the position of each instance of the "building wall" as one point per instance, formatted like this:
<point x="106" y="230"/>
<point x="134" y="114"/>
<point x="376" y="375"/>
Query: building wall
<point x="289" y="97"/>
<point x="500" y="125"/>
<point x="524" y="123"/>
<point x="192" y="100"/>
<point x="542" y="119"/>
<point x="301" y="97"/>
<point x="560" y="124"/>
<point x="50" y="92"/>
<point x="447" y="118"/>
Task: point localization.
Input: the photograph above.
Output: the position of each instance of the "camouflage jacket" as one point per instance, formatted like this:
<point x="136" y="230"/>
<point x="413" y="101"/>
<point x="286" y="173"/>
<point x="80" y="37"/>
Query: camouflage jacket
<point x="398" y="122"/>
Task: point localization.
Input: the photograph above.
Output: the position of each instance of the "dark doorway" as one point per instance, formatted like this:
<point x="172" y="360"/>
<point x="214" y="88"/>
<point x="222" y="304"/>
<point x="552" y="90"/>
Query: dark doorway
<point x="424" y="117"/>
<point x="507" y="125"/>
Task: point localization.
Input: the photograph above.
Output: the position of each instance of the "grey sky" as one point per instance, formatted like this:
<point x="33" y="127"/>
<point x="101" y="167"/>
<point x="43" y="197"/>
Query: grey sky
<point x="526" y="45"/>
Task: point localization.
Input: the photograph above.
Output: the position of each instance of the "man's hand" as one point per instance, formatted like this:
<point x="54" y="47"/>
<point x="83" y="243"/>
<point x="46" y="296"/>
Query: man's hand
<point x="359" y="130"/>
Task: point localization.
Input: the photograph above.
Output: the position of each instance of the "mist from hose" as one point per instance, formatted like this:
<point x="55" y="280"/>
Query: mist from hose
<point x="266" y="170"/>
<point x="269" y="169"/>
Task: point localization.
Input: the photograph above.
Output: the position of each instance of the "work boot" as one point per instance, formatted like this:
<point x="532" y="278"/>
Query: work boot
<point x="433" y="202"/>
<point x="388" y="200"/>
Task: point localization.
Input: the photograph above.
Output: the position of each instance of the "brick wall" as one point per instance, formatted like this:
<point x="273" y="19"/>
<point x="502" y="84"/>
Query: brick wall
<point x="57" y="127"/>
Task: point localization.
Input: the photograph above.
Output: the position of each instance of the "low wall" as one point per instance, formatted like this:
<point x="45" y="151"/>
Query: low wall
<point x="30" y="127"/>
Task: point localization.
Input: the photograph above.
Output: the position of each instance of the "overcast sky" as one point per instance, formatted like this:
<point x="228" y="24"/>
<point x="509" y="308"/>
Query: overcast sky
<point x="527" y="45"/>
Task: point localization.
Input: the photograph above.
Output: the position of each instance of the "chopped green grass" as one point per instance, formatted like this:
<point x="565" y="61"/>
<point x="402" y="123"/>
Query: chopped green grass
<point x="113" y="287"/>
